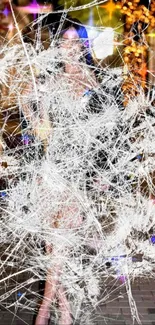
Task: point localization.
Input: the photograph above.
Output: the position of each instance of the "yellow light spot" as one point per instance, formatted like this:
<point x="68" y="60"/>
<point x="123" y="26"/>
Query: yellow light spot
<point x="110" y="7"/>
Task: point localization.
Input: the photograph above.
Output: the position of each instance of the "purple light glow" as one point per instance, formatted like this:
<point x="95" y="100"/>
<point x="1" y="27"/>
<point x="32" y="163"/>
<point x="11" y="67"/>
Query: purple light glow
<point x="153" y="239"/>
<point x="34" y="4"/>
<point x="25" y="139"/>
<point x="6" y="12"/>
<point x="35" y="9"/>
<point x="122" y="278"/>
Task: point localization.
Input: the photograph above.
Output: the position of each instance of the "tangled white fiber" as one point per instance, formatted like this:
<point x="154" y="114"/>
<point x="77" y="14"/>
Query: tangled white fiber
<point x="87" y="195"/>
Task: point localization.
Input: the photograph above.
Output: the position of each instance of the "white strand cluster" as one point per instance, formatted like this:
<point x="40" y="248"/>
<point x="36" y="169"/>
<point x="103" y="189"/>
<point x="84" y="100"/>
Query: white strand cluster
<point x="86" y="192"/>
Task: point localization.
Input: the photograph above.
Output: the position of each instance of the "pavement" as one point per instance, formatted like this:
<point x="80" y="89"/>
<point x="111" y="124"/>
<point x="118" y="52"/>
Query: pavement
<point x="113" y="307"/>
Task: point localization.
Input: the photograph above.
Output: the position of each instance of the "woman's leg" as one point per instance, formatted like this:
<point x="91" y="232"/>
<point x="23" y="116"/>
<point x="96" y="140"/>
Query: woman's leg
<point x="64" y="307"/>
<point x="49" y="295"/>
<point x="41" y="294"/>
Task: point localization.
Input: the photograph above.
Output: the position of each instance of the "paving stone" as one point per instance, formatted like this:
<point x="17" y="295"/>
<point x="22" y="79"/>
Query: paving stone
<point x="141" y="311"/>
<point x="147" y="317"/>
<point x="140" y="297"/>
<point x="151" y="311"/>
<point x="126" y="311"/>
<point x="143" y="323"/>
<point x="142" y="293"/>
<point x="116" y="322"/>
<point x="152" y="317"/>
<point x="124" y="304"/>
<point x="113" y="304"/>
<point x="113" y="311"/>
<point x="146" y="304"/>
<point x="148" y="298"/>
<point x="146" y="288"/>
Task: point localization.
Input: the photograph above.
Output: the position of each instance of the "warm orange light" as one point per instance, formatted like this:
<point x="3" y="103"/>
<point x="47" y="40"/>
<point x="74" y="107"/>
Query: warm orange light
<point x="135" y="52"/>
<point x="110" y="7"/>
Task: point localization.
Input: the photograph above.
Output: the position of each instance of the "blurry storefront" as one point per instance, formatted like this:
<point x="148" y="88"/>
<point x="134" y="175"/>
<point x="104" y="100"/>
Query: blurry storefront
<point x="121" y="32"/>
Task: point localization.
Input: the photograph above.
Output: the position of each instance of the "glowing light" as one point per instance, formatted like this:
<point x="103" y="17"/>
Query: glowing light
<point x="6" y="12"/>
<point x="92" y="32"/>
<point x="11" y="27"/>
<point x="34" y="3"/>
<point x="110" y="7"/>
<point x="122" y="278"/>
<point x="139" y="157"/>
<point x="25" y="139"/>
<point x="3" y="194"/>
<point x="151" y="34"/>
<point x="35" y="9"/>
<point x="153" y="239"/>
<point x="103" y="45"/>
<point x="143" y="70"/>
<point x="135" y="53"/>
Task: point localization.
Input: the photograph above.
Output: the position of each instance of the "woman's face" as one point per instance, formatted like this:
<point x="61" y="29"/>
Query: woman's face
<point x="71" y="42"/>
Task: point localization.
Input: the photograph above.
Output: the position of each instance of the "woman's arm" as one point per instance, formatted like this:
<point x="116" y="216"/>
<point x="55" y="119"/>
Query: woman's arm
<point x="38" y="120"/>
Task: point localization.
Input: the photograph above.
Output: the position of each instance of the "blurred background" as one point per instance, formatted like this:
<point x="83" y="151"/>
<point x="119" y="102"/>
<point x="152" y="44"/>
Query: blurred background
<point x="122" y="35"/>
<point x="122" y="32"/>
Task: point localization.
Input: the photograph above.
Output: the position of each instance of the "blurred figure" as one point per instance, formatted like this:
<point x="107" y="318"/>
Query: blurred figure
<point x="77" y="60"/>
<point x="74" y="45"/>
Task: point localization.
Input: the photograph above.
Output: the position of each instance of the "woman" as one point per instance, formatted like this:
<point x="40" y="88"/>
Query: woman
<point x="77" y="71"/>
<point x="77" y="60"/>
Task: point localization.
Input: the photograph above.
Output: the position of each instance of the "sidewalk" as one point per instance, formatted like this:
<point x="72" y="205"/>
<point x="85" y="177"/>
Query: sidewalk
<point x="113" y="308"/>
